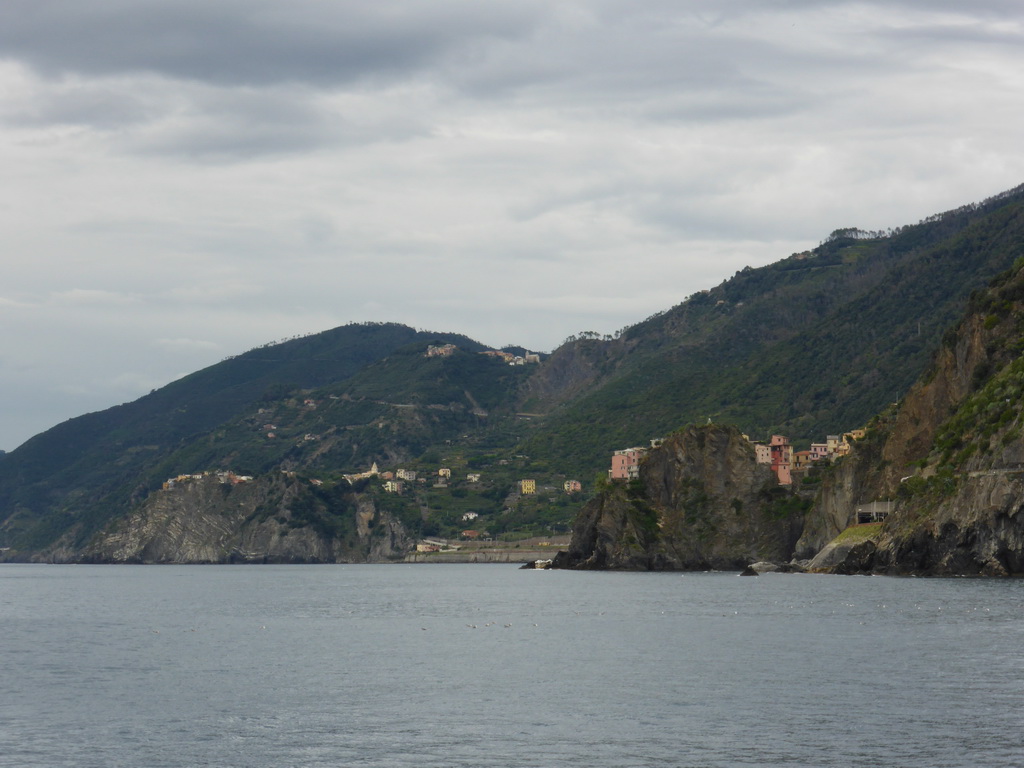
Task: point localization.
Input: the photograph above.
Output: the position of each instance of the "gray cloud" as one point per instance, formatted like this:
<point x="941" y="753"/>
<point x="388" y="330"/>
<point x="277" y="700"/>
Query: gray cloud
<point x="247" y="43"/>
<point x="98" y="106"/>
<point x="239" y="123"/>
<point x="185" y="180"/>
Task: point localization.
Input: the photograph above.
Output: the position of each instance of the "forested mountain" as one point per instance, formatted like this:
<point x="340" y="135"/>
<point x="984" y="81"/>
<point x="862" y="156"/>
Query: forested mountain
<point x="944" y="468"/>
<point x="951" y="456"/>
<point x="89" y="469"/>
<point x="816" y="343"/>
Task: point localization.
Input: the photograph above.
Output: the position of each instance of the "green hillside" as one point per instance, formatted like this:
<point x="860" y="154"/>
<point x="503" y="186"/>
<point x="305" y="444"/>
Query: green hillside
<point x="814" y="344"/>
<point x="86" y="470"/>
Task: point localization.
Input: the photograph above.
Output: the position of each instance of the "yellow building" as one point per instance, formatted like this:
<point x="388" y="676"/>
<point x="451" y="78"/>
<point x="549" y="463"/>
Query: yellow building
<point x="527" y="487"/>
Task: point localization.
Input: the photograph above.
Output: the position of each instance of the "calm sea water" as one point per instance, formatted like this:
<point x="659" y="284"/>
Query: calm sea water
<point x="470" y="665"/>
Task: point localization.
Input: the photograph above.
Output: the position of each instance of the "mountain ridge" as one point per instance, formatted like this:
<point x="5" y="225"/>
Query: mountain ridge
<point x="951" y="456"/>
<point x="770" y="349"/>
<point x="944" y="468"/>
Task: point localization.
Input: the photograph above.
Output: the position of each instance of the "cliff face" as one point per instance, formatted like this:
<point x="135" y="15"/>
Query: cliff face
<point x="978" y="530"/>
<point x="272" y="520"/>
<point x="952" y="457"/>
<point x="858" y="479"/>
<point x="701" y="502"/>
<point x="570" y="370"/>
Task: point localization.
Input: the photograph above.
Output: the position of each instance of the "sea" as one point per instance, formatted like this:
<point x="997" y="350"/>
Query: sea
<point x="490" y="665"/>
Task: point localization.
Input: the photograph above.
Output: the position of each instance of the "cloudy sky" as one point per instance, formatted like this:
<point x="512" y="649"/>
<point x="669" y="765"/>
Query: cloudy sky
<point x="186" y="179"/>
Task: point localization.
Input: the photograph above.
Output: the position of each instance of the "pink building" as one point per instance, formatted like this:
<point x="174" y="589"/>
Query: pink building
<point x="626" y="464"/>
<point x="782" y="458"/>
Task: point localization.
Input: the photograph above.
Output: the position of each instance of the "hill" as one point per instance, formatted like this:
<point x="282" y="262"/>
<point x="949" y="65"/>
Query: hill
<point x="950" y="456"/>
<point x="76" y="476"/>
<point x="945" y="467"/>
<point x="813" y="344"/>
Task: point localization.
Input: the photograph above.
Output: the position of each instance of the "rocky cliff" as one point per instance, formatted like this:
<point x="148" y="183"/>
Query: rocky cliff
<point x="277" y="519"/>
<point x="571" y="370"/>
<point x="952" y="456"/>
<point x="855" y="480"/>
<point x="701" y="502"/>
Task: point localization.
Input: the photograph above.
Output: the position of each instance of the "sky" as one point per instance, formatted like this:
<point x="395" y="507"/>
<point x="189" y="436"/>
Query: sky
<point x="184" y="180"/>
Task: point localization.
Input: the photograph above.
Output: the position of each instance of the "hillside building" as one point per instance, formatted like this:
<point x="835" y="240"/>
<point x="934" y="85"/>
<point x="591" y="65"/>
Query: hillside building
<point x="762" y="453"/>
<point x="782" y="458"/>
<point x="371" y="472"/>
<point x="444" y="350"/>
<point x="802" y="459"/>
<point x="626" y="463"/>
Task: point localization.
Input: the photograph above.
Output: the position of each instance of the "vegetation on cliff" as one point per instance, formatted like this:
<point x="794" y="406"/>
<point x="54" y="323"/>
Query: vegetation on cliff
<point x="813" y="344"/>
<point x="275" y="518"/>
<point x="953" y="454"/>
<point x="701" y="501"/>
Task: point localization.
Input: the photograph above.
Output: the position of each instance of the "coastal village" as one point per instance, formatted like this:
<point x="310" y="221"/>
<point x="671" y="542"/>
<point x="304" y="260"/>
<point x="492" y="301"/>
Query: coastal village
<point x="226" y="477"/>
<point x="447" y="350"/>
<point x="778" y="453"/>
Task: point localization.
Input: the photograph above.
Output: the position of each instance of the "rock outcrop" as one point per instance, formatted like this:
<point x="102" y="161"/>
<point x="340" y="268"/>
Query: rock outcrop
<point x="701" y="502"/>
<point x="952" y="456"/>
<point x="850" y="552"/>
<point x="977" y="531"/>
<point x="570" y="370"/>
<point x="271" y="520"/>
<point x="854" y="480"/>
